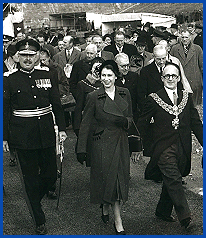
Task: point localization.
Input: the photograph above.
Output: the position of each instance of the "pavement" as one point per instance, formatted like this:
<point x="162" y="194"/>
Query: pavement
<point x="77" y="216"/>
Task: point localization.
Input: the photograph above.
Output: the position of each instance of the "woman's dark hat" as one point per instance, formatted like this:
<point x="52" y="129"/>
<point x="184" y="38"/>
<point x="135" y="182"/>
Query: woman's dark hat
<point x="112" y="63"/>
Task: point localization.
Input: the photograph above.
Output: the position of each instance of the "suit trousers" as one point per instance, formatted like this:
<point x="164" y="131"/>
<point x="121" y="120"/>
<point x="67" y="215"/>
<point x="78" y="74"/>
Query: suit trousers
<point x="38" y="173"/>
<point x="171" y="164"/>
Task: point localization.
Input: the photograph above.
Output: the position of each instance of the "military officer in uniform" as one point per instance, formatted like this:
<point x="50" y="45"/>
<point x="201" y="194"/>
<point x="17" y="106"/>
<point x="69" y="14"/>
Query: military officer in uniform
<point x="31" y="102"/>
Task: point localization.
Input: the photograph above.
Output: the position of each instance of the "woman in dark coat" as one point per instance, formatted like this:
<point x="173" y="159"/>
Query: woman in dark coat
<point x="85" y="86"/>
<point x="110" y="109"/>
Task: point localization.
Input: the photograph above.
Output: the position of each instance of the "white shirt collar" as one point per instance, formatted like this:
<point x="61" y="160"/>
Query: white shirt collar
<point x="70" y="51"/>
<point x="119" y="48"/>
<point x="159" y="67"/>
<point x="170" y="93"/>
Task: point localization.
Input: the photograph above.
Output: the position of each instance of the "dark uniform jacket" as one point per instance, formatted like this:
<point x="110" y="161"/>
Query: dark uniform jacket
<point x="164" y="134"/>
<point x="31" y="91"/>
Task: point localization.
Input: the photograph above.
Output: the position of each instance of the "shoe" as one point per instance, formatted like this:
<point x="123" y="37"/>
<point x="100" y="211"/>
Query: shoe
<point x="52" y="195"/>
<point x="105" y="218"/>
<point x="186" y="222"/>
<point x="41" y="230"/>
<point x="12" y="162"/>
<point x="164" y="218"/>
<point x="119" y="232"/>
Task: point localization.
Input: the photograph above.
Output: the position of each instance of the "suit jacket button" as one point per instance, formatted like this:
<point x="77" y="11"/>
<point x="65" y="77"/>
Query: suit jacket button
<point x="39" y="118"/>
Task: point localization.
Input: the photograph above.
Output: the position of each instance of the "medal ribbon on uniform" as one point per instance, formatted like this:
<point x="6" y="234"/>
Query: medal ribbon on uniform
<point x="173" y="110"/>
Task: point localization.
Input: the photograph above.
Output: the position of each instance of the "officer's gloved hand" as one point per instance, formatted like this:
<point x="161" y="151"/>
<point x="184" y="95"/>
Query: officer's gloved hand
<point x="121" y="122"/>
<point x="81" y="157"/>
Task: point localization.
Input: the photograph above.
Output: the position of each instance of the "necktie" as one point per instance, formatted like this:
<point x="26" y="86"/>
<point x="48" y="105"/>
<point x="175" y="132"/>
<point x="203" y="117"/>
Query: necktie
<point x="68" y="55"/>
<point x="186" y="50"/>
<point x="161" y="70"/>
<point x="175" y="98"/>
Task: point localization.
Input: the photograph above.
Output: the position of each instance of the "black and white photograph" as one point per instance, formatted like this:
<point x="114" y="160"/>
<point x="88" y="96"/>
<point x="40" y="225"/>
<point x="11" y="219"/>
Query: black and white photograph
<point x="102" y="119"/>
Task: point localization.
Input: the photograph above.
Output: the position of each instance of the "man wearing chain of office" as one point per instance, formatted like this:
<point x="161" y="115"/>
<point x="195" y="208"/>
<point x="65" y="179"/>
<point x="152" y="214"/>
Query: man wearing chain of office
<point x="174" y="117"/>
<point x="31" y="103"/>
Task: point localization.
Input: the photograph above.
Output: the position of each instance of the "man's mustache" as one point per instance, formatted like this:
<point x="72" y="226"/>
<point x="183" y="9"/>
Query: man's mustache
<point x="27" y="61"/>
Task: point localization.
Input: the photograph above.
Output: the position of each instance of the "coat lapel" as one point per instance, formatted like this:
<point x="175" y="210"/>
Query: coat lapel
<point x="63" y="58"/>
<point x="190" y="54"/>
<point x="181" y="52"/>
<point x="155" y="73"/>
<point x="117" y="106"/>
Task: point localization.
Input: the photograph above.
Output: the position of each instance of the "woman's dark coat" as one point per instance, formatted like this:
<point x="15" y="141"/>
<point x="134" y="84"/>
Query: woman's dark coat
<point x="110" y="161"/>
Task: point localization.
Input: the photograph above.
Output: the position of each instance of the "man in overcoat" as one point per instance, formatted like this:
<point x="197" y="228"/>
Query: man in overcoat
<point x="69" y="55"/>
<point x="174" y="118"/>
<point x="81" y="68"/>
<point x="30" y="99"/>
<point x="191" y="58"/>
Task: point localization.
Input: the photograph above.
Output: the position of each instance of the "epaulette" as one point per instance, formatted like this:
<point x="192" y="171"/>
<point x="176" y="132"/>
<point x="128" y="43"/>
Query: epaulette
<point x="6" y="74"/>
<point x="41" y="67"/>
<point x="100" y="96"/>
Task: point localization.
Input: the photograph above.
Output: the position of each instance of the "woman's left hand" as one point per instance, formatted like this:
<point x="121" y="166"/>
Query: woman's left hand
<point x="136" y="156"/>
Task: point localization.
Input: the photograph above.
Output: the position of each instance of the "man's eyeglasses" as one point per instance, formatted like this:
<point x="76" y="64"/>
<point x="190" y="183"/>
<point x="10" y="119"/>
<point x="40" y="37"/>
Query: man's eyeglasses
<point x="125" y="66"/>
<point x="167" y="76"/>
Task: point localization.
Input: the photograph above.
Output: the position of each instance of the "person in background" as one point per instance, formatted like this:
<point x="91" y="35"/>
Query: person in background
<point x="106" y="55"/>
<point x="191" y="58"/>
<point x="88" y="39"/>
<point x="142" y="58"/>
<point x="111" y="108"/>
<point x="60" y="47"/>
<point x="128" y="80"/>
<point x="85" y="86"/>
<point x="174" y="117"/>
<point x="81" y="68"/>
<point x="44" y="44"/>
<point x="198" y="40"/>
<point x="107" y="40"/>
<point x="120" y="46"/>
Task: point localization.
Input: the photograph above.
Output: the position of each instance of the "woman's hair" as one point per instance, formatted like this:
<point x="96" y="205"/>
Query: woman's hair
<point x="110" y="64"/>
<point x="105" y="36"/>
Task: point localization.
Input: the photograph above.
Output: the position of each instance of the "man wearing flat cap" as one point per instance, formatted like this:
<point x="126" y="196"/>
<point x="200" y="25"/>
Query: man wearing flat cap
<point x="157" y="36"/>
<point x="30" y="99"/>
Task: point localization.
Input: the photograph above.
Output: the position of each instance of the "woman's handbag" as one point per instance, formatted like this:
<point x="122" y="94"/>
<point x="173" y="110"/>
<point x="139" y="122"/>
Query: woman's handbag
<point x="135" y="141"/>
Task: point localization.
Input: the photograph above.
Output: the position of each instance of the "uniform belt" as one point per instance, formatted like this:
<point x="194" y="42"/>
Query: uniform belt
<point x="33" y="113"/>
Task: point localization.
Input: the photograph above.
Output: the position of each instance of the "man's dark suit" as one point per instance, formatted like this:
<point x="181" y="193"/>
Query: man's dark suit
<point x="61" y="58"/>
<point x="131" y="81"/>
<point x="150" y="82"/>
<point x="127" y="49"/>
<point x="79" y="71"/>
<point x="166" y="139"/>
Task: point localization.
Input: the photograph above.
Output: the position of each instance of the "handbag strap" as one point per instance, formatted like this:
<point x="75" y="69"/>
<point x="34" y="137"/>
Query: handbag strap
<point x="137" y="132"/>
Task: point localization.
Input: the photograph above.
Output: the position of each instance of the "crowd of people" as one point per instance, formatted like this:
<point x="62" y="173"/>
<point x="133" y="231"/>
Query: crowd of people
<point x="143" y="83"/>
